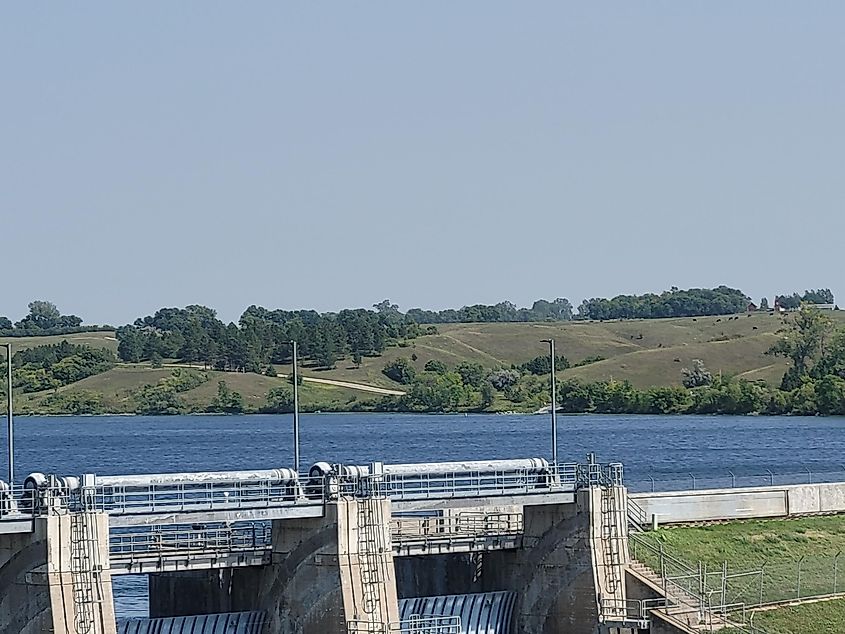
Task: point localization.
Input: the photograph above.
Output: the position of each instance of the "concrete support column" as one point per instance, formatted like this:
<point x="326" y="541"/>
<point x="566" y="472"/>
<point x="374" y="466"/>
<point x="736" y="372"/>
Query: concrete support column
<point x="365" y="558"/>
<point x="78" y="574"/>
<point x="52" y="582"/>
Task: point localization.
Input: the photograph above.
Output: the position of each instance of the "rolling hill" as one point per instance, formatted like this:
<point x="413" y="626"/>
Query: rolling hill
<point x="644" y="352"/>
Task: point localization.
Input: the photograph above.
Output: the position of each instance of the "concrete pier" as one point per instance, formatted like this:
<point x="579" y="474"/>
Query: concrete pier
<point x="56" y="578"/>
<point x="327" y="575"/>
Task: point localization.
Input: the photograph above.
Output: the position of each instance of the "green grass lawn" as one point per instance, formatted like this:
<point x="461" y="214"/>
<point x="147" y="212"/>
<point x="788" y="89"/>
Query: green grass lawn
<point x="792" y="558"/>
<point x="807" y="618"/>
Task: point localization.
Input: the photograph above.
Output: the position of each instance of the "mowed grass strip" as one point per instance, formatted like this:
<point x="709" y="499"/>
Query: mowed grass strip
<point x="751" y="544"/>
<point x="806" y="618"/>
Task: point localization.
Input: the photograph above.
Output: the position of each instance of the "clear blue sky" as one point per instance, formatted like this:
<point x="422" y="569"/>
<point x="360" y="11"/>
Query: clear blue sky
<point x="328" y="155"/>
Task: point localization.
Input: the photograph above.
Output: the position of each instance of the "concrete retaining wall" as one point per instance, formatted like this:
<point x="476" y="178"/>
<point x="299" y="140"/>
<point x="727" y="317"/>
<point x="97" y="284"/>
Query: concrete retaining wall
<point x="746" y="503"/>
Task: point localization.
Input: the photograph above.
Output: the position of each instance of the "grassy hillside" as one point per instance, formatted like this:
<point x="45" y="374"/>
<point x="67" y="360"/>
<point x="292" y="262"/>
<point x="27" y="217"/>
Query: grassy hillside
<point x="645" y="352"/>
<point x="105" y="339"/>
<point x="117" y="386"/>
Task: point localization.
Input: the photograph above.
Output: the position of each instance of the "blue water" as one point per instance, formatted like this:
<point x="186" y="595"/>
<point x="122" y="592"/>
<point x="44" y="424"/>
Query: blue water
<point x="661" y="451"/>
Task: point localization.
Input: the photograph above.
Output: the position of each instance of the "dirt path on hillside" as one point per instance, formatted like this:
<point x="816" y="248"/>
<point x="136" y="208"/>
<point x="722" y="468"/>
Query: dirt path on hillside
<point x="347" y="384"/>
<point x="352" y="386"/>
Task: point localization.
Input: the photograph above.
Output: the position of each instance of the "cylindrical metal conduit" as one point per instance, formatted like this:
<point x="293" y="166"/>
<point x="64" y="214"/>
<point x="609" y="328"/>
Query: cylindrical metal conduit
<point x="530" y="465"/>
<point x="276" y="476"/>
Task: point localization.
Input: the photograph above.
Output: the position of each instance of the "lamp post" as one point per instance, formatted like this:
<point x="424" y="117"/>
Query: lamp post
<point x="551" y="343"/>
<point x="10" y="423"/>
<point x="295" y="374"/>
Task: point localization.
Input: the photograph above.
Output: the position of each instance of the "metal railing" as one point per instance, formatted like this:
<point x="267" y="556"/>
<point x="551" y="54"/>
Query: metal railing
<point x="472" y="484"/>
<point x="638" y="519"/>
<point x="458" y="526"/>
<point x="731" y="479"/>
<point x="182" y="540"/>
<point x="416" y="624"/>
<point x="422" y="624"/>
<point x="634" y="611"/>
<point x="774" y="582"/>
<point x="406" y="532"/>
<point x="307" y="490"/>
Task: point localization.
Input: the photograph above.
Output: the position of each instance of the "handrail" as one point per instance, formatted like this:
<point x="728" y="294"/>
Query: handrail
<point x="641" y="540"/>
<point x="204" y="495"/>
<point x="406" y="532"/>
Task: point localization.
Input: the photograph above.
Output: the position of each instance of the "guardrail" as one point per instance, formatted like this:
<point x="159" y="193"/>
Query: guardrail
<point x="464" y="530"/>
<point x="460" y="525"/>
<point x="181" y="540"/>
<point x="635" y="612"/>
<point x="417" y="624"/>
<point x="306" y="490"/>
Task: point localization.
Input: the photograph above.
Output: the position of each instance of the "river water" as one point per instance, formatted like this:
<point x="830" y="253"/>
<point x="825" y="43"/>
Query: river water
<point x="662" y="452"/>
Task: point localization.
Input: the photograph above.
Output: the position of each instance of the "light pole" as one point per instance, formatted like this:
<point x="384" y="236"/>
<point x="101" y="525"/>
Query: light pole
<point x="295" y="374"/>
<point x="10" y="423"/>
<point x="551" y="343"/>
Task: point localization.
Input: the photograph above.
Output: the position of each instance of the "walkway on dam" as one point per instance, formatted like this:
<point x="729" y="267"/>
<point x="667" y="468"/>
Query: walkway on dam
<point x="200" y="547"/>
<point x="143" y="500"/>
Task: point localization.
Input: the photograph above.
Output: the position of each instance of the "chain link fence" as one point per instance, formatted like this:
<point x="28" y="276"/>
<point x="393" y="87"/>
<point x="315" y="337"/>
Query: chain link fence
<point x="638" y="482"/>
<point x="732" y="592"/>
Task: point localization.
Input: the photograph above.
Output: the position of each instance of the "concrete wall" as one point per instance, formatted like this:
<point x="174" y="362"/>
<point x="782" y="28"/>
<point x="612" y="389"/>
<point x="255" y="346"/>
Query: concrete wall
<point x="745" y="503"/>
<point x="552" y="574"/>
<point x="315" y="583"/>
<point x="37" y="579"/>
<point x="300" y="590"/>
<point x="24" y="591"/>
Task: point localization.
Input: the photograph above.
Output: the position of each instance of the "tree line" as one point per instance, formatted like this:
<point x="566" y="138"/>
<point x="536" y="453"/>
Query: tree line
<point x="795" y="300"/>
<point x="262" y="337"/>
<point x="44" y="318"/>
<point x="52" y="366"/>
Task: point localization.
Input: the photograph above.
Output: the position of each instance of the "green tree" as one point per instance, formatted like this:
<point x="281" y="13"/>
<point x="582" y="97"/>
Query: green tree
<point x="503" y="378"/>
<point x="472" y="374"/>
<point x="436" y="366"/>
<point x="227" y="401"/>
<point x="42" y="316"/>
<point x="400" y="370"/>
<point x="543" y="365"/>
<point x="74" y="403"/>
<point x="830" y="395"/>
<point x="153" y="400"/>
<point x="698" y="376"/>
<point x="488" y="394"/>
<point x="279" y="400"/>
<point x="803" y="343"/>
<point x="667" y="400"/>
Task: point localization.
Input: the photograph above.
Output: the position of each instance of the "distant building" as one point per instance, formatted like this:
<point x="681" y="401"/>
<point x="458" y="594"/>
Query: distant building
<point x="752" y="308"/>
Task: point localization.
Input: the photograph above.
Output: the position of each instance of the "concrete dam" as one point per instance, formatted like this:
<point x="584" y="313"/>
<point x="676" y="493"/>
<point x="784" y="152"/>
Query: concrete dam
<point x="518" y="546"/>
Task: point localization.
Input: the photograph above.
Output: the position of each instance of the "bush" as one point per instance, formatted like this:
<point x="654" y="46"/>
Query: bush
<point x="436" y="366"/>
<point x="400" y="371"/>
<point x="279" y="401"/>
<point x="543" y="365"/>
<point x="503" y="379"/>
